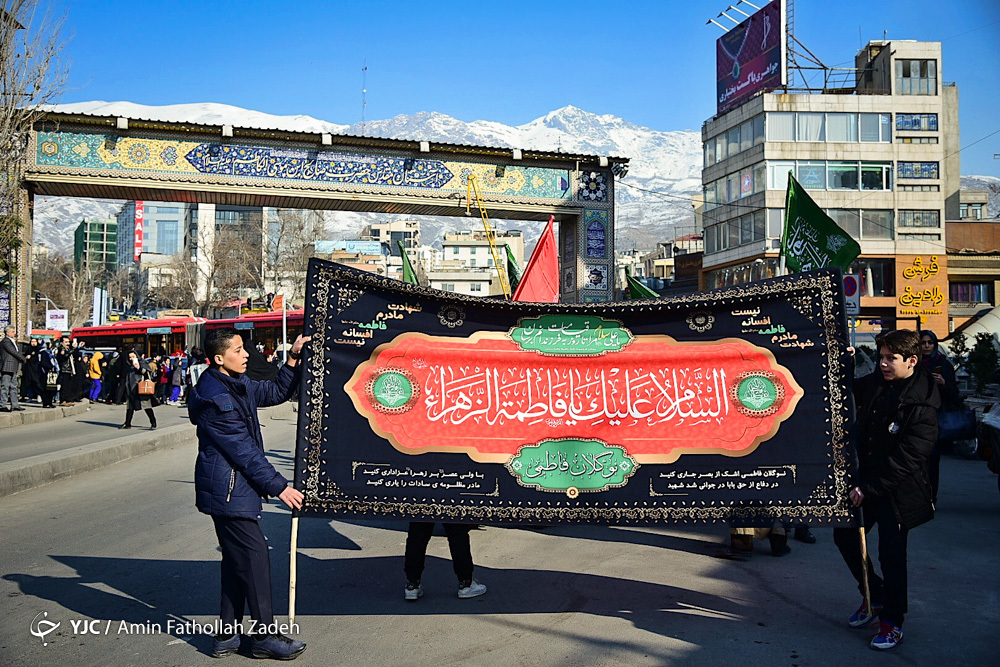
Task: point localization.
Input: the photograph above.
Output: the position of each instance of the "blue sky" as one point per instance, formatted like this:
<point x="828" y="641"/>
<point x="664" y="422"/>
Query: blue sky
<point x="651" y="63"/>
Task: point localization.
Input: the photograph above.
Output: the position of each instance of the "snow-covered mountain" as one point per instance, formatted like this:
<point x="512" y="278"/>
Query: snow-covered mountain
<point x="667" y="163"/>
<point x="653" y="201"/>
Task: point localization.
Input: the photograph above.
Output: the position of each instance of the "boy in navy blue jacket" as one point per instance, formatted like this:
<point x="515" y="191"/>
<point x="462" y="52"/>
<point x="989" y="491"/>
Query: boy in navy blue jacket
<point x="232" y="475"/>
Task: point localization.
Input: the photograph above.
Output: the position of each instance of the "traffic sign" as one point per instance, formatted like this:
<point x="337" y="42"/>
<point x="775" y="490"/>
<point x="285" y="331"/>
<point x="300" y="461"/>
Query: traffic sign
<point x="852" y="294"/>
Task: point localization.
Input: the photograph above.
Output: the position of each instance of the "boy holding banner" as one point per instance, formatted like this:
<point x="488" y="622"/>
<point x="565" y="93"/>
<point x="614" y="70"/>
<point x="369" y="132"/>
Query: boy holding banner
<point x="232" y="474"/>
<point x="897" y="428"/>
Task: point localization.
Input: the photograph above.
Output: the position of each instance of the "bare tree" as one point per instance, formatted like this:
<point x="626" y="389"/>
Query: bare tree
<point x="291" y="239"/>
<point x="31" y="76"/>
<point x="178" y="287"/>
<point x="70" y="288"/>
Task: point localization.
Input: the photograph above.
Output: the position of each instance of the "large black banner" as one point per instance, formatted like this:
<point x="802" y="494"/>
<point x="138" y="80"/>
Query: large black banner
<point x="723" y="405"/>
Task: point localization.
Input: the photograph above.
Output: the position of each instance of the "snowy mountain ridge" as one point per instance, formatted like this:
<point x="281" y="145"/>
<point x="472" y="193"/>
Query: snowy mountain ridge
<point x="653" y="202"/>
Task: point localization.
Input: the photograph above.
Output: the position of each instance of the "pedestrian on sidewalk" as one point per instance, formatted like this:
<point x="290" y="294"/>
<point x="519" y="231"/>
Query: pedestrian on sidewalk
<point x="897" y="428"/>
<point x="232" y="475"/>
<point x="95" y="372"/>
<point x="49" y="367"/>
<point x="10" y="364"/>
<point x="69" y="384"/>
<point x="417" y="538"/>
<point x="138" y="370"/>
<point x="176" y="381"/>
<point x="32" y="378"/>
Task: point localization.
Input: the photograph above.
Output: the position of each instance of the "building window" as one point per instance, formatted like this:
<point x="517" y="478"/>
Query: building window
<point x="742" y="273"/>
<point x="811" y="175"/>
<point x="918" y="140"/>
<point x="970" y="292"/>
<point x="876" y="224"/>
<point x="917" y="121"/>
<point x="472" y="262"/>
<point x="847" y="219"/>
<point x="876" y="127"/>
<point x="781" y="126"/>
<point x="475" y="287"/>
<point x="454" y="250"/>
<point x="919" y="188"/>
<point x="777" y="174"/>
<point x="878" y="276"/>
<point x="843" y="175"/>
<point x="916" y="77"/>
<point x="920" y="219"/>
<point x="448" y="287"/>
<point x="810" y="127"/>
<point x="166" y="237"/>
<point x="970" y="211"/>
<point x="167" y="209"/>
<point x="876" y="176"/>
<point x="843" y="127"/>
<point x="917" y="170"/>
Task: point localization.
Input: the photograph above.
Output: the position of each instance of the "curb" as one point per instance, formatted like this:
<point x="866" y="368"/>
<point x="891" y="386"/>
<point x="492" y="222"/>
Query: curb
<point x="35" y="471"/>
<point x="38" y="415"/>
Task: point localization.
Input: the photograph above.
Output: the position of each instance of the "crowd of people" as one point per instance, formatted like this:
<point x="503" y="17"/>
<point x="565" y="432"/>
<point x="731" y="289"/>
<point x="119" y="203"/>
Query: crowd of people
<point x="62" y="372"/>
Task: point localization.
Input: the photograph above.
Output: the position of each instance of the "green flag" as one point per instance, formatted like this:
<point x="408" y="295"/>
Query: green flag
<point x="637" y="290"/>
<point x="812" y="240"/>
<point x="513" y="270"/>
<point x="409" y="275"/>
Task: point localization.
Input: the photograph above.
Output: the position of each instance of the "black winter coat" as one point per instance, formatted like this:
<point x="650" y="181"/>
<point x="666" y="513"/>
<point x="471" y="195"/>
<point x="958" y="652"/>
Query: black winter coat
<point x="894" y="444"/>
<point x="232" y="474"/>
<point x="133" y="376"/>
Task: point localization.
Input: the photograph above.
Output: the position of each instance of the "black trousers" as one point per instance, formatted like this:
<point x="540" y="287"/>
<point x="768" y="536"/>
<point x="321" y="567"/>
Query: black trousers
<point x="246" y="570"/>
<point x="149" y="413"/>
<point x="419" y="536"/>
<point x="889" y="589"/>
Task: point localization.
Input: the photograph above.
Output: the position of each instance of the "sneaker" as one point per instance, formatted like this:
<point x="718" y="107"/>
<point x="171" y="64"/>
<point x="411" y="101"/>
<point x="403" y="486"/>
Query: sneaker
<point x="413" y="591"/>
<point x="278" y="647"/>
<point x="221" y="646"/>
<point x="470" y="589"/>
<point x="888" y="636"/>
<point x="862" y="618"/>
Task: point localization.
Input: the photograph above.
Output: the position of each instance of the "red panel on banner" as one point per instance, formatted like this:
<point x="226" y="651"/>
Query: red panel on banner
<point x="658" y="398"/>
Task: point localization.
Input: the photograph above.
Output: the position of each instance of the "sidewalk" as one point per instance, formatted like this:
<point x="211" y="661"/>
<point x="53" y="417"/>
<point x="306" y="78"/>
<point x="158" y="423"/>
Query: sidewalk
<point x="88" y="438"/>
<point x="34" y="413"/>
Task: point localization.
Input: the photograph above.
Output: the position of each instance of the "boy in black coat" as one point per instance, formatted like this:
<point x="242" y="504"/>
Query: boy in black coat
<point x="232" y="475"/>
<point x="897" y="427"/>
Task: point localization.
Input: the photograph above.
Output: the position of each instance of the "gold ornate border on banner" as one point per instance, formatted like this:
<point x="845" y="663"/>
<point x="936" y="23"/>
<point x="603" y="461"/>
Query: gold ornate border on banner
<point x="812" y="295"/>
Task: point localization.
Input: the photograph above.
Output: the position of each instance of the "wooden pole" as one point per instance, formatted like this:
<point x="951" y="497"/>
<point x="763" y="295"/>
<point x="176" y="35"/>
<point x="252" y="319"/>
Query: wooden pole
<point x="864" y="568"/>
<point x="293" y="551"/>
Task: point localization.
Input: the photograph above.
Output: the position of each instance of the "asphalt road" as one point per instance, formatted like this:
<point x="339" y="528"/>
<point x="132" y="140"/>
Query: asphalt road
<point x="125" y="544"/>
<point x="99" y="424"/>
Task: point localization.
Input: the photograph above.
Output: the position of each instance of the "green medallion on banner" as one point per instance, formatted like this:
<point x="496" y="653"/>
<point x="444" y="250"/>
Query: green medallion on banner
<point x="758" y="393"/>
<point x="571" y="465"/>
<point x="392" y="390"/>
<point x="570" y="335"/>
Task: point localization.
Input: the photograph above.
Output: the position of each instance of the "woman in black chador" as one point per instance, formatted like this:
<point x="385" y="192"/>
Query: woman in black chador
<point x="136" y="370"/>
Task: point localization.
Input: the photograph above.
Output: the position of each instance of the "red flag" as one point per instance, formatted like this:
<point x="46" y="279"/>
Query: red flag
<point x="540" y="281"/>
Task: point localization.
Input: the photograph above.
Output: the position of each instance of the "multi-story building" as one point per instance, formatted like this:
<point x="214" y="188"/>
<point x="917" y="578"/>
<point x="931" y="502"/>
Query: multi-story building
<point x="881" y="157"/>
<point x="465" y="264"/>
<point x="973" y="259"/>
<point x="162" y="229"/>
<point x="95" y="245"/>
<point x="407" y="231"/>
